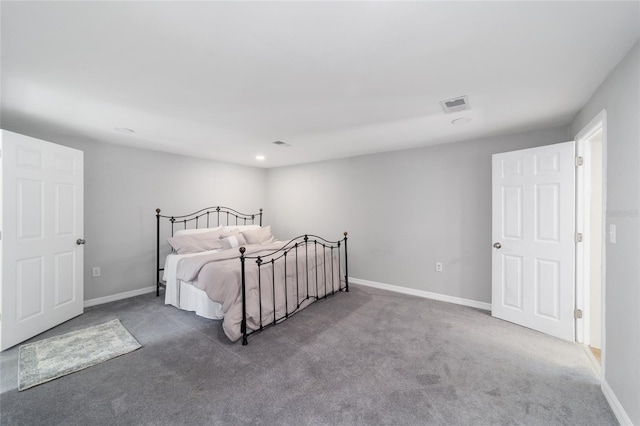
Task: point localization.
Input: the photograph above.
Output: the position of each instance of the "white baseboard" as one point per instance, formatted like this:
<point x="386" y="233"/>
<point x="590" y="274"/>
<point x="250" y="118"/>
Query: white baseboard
<point x="119" y="296"/>
<point x="422" y="293"/>
<point x="616" y="407"/>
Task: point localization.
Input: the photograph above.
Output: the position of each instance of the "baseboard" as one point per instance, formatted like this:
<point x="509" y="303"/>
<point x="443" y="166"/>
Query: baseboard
<point x="119" y="296"/>
<point x="422" y="293"/>
<point x="615" y="405"/>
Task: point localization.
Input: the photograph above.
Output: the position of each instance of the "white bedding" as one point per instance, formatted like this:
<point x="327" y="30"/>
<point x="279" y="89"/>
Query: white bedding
<point x="184" y="295"/>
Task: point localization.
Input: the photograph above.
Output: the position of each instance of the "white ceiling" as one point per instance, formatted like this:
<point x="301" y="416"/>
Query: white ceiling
<point x="223" y="80"/>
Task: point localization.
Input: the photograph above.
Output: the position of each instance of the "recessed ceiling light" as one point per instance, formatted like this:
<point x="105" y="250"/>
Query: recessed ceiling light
<point x="124" y="130"/>
<point x="260" y="157"/>
<point x="460" y="120"/>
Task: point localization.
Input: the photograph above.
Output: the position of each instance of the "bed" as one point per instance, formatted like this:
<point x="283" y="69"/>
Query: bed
<point x="224" y="264"/>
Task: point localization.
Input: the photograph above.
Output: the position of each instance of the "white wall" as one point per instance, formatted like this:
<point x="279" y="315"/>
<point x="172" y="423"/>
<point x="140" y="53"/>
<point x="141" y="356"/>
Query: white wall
<point x="124" y="186"/>
<point x="619" y="94"/>
<point x="404" y="211"/>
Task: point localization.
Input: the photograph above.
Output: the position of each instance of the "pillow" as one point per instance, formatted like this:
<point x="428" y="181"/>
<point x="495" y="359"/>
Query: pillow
<point x="258" y="236"/>
<point x="195" y="231"/>
<point x="241" y="228"/>
<point x="233" y="241"/>
<point x="195" y="243"/>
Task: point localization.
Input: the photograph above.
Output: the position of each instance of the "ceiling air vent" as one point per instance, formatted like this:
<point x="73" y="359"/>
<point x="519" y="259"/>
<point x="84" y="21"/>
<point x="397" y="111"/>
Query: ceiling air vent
<point x="455" y="105"/>
<point x="280" y="143"/>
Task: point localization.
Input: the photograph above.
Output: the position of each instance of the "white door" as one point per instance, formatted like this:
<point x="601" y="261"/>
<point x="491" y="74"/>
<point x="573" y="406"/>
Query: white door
<point x="533" y="233"/>
<point x="42" y="265"/>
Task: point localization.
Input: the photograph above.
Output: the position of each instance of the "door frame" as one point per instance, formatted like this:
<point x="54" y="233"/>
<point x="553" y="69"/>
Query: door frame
<point x="583" y="216"/>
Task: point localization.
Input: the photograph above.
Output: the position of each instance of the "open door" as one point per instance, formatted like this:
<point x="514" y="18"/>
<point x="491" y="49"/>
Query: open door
<point x="533" y="231"/>
<point x="42" y="245"/>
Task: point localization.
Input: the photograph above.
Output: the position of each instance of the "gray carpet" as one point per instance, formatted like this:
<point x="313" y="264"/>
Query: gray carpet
<point x="385" y="358"/>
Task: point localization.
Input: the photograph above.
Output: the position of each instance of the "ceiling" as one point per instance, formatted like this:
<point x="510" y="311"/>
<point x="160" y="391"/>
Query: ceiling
<point x="223" y="80"/>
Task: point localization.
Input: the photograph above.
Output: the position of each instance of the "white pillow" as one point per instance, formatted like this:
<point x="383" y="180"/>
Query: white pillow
<point x="195" y="243"/>
<point x="258" y="236"/>
<point x="240" y="228"/>
<point x="195" y="231"/>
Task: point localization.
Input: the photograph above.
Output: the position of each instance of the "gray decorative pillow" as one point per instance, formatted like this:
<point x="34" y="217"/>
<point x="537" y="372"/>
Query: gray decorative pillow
<point x="232" y="241"/>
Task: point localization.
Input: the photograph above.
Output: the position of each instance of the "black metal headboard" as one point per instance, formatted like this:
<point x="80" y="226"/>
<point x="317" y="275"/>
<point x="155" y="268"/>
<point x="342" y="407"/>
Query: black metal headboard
<point x="205" y="218"/>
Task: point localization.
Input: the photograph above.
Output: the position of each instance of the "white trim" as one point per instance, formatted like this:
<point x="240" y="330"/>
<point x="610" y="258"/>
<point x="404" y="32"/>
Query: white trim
<point x="583" y="249"/>
<point x="119" y="296"/>
<point x="616" y="407"/>
<point x="603" y="276"/>
<point x="422" y="293"/>
<point x="597" y="123"/>
<point x="593" y="126"/>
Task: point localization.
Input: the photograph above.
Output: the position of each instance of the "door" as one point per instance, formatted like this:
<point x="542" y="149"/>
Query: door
<point x="42" y="265"/>
<point x="533" y="233"/>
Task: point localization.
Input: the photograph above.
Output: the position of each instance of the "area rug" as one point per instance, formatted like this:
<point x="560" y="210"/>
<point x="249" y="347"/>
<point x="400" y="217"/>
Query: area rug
<point x="48" y="359"/>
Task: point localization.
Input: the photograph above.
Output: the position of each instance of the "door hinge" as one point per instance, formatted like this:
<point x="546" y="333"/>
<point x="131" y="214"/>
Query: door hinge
<point x="579" y="161"/>
<point x="578" y="237"/>
<point x="577" y="313"/>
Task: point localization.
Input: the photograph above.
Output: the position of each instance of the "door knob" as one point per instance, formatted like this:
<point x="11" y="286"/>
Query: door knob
<point x="497" y="245"/>
<point x="80" y="241"/>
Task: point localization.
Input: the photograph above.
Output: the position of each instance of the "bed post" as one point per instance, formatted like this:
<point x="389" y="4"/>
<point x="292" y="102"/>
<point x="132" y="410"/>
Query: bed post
<point x="243" y="325"/>
<point x="346" y="263"/>
<point x="260" y="217"/>
<point x="157" y="252"/>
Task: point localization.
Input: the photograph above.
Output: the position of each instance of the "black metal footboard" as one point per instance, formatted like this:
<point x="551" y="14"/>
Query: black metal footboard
<point x="205" y="218"/>
<point x="281" y="283"/>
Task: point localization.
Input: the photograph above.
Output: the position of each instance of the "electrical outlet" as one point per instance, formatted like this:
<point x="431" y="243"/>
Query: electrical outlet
<point x="95" y="272"/>
<point x="438" y="266"/>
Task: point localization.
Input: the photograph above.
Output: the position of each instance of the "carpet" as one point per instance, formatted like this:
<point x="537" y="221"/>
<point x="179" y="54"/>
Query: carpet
<point x="51" y="358"/>
<point x="364" y="358"/>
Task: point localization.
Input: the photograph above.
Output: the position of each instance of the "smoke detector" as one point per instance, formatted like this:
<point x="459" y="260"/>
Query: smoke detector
<point x="461" y="103"/>
<point x="460" y="120"/>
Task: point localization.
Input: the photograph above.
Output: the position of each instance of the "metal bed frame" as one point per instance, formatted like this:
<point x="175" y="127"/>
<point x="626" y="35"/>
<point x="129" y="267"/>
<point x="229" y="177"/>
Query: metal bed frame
<point x="203" y="218"/>
<point x="265" y="264"/>
<point x="295" y="247"/>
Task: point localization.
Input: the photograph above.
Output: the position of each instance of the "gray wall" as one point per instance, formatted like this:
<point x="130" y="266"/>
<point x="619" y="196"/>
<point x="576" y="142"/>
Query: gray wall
<point x="404" y="211"/>
<point x="124" y="186"/>
<point x="619" y="94"/>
